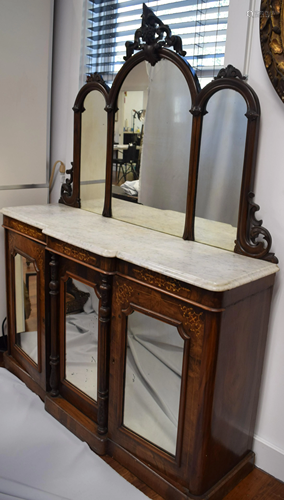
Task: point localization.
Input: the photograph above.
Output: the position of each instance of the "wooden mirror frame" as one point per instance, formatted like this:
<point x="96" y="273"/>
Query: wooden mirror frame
<point x="252" y="239"/>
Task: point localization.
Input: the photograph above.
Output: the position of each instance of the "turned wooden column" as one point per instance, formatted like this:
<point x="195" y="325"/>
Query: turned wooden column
<point x="54" y="326"/>
<point x="103" y="353"/>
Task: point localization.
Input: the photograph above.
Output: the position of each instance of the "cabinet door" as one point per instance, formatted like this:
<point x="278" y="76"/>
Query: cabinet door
<point x="156" y="344"/>
<point x="84" y="342"/>
<point x="26" y="305"/>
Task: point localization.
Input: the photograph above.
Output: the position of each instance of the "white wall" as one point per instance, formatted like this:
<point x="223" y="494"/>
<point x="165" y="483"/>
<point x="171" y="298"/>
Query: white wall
<point x="269" y="187"/>
<point x="67" y="79"/>
<point x="269" y="190"/>
<point x="25" y="54"/>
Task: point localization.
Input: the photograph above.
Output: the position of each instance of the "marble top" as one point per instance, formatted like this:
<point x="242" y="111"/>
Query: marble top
<point x="211" y="232"/>
<point x="189" y="261"/>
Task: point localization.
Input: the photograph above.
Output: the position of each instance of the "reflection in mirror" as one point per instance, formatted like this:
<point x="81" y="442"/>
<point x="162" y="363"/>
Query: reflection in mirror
<point x="81" y="349"/>
<point x="154" y="359"/>
<point x="93" y="152"/>
<point x="26" y="306"/>
<point x="220" y="169"/>
<point x="128" y="133"/>
<point x="156" y="175"/>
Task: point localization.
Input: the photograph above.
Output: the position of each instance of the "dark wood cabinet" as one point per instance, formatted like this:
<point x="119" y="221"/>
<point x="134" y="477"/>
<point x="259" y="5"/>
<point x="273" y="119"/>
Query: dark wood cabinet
<point x="184" y="421"/>
<point x="26" y="292"/>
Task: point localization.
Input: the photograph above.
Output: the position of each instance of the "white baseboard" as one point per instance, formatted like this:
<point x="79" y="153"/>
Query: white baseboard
<point x="269" y="458"/>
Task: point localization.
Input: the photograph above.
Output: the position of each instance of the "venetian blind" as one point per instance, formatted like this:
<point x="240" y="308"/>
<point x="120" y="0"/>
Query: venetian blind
<point x="202" y="25"/>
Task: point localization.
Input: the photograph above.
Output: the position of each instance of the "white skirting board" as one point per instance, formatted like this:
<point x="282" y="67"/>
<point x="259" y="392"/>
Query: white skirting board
<point x="269" y="458"/>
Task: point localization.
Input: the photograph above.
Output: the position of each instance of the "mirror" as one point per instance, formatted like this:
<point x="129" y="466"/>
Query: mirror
<point x="154" y="358"/>
<point x="93" y="152"/>
<point x="81" y="336"/>
<point x="26" y="298"/>
<point x="153" y="171"/>
<point x="220" y="169"/>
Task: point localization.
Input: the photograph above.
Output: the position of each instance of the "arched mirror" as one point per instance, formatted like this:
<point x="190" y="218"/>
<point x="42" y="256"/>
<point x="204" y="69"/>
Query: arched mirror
<point x="151" y="156"/>
<point x="93" y="152"/>
<point x="220" y="169"/>
<point x="177" y="159"/>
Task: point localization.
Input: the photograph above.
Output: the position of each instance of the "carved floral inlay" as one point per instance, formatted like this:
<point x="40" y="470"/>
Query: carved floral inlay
<point x="26" y="230"/>
<point x="123" y="293"/>
<point x="168" y="284"/>
<point x="192" y="319"/>
<point x="77" y="254"/>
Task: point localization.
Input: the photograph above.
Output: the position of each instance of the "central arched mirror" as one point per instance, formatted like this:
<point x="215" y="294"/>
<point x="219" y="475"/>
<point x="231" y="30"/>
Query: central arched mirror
<point x="151" y="148"/>
<point x="157" y="151"/>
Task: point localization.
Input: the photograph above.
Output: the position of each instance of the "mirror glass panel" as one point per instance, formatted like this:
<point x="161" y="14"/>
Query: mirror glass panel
<point x="220" y="169"/>
<point x="154" y="359"/>
<point x="93" y="152"/>
<point x="81" y="338"/>
<point x="26" y="306"/>
<point x="152" y="146"/>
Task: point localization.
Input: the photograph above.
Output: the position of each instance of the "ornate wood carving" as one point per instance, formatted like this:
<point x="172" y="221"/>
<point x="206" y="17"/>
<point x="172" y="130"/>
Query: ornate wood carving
<point x="27" y="230"/>
<point x="77" y="253"/>
<point x="192" y="319"/>
<point x="272" y="42"/>
<point x="150" y="38"/>
<point x="54" y="322"/>
<point x="256" y="234"/>
<point x="163" y="282"/>
<point x="230" y="72"/>
<point x="97" y="78"/>
<point x="151" y="41"/>
<point x="67" y="189"/>
<point x="103" y="353"/>
<point x="123" y="293"/>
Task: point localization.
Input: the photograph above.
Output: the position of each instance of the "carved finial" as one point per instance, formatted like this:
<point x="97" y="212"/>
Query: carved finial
<point x="230" y="72"/>
<point x="150" y="37"/>
<point x="96" y="77"/>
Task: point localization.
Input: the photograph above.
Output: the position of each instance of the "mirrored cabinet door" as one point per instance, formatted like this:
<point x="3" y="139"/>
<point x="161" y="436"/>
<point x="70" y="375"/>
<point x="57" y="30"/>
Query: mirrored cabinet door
<point x="82" y="352"/>
<point x="155" y="352"/>
<point x="153" y="369"/>
<point x="26" y="305"/>
<point x="81" y="336"/>
<point x="26" y="315"/>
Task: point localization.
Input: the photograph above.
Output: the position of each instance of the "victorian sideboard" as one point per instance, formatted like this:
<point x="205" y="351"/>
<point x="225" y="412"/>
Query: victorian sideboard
<point x="173" y="364"/>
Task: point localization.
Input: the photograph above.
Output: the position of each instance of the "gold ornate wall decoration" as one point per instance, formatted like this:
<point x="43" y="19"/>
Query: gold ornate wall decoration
<point x="192" y="319"/>
<point x="272" y="42"/>
<point x="123" y="293"/>
<point x="168" y="284"/>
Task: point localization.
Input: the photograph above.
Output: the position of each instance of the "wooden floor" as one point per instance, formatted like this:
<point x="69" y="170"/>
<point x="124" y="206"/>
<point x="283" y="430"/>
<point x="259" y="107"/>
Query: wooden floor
<point x="256" y="486"/>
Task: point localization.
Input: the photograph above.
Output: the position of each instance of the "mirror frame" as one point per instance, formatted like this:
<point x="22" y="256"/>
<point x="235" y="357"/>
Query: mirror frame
<point x="252" y="238"/>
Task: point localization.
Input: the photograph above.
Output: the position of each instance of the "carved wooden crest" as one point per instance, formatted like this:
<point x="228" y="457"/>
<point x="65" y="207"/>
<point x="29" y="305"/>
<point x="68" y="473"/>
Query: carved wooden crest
<point x="152" y="36"/>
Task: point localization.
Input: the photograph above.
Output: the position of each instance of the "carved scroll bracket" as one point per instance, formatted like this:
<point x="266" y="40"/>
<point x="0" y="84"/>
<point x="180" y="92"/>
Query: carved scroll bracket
<point x="67" y="189"/>
<point x="259" y="240"/>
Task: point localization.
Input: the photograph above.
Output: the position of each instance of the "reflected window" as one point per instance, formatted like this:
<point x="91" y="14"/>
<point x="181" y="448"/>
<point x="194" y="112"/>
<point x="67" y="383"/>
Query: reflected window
<point x="153" y="372"/>
<point x="81" y="346"/>
<point x="26" y="306"/>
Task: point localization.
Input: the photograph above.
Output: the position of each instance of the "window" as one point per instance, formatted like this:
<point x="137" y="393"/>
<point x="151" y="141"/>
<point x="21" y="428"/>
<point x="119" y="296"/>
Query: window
<point x="202" y="25"/>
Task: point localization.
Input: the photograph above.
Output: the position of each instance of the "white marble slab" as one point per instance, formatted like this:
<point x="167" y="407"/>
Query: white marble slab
<point x="217" y="234"/>
<point x="193" y="263"/>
